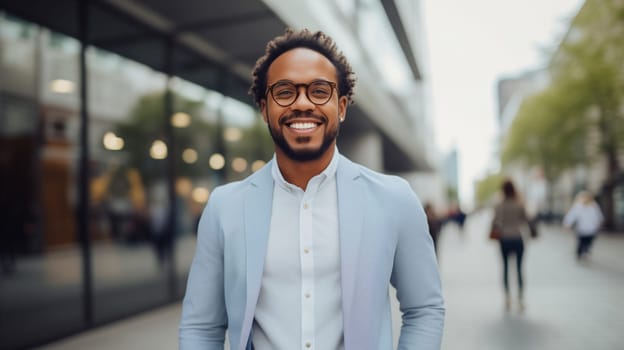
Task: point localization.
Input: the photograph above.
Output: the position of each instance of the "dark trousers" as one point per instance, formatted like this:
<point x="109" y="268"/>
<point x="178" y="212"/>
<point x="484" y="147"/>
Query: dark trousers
<point x="584" y="244"/>
<point x="512" y="246"/>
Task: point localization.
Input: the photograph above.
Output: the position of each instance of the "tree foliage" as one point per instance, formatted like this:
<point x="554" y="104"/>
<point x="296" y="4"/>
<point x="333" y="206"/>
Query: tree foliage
<point x="546" y="133"/>
<point x="488" y="187"/>
<point x="579" y="117"/>
<point x="590" y="66"/>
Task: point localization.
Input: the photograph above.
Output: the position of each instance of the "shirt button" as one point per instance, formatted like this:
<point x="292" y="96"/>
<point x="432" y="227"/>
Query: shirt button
<point x="306" y="206"/>
<point x="306" y="250"/>
<point x="308" y="344"/>
<point x="307" y="295"/>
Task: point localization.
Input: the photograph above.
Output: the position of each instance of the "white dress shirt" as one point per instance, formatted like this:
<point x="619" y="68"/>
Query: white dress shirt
<point x="299" y="306"/>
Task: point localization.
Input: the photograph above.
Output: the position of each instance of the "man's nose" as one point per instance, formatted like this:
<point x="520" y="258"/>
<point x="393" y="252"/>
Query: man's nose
<point x="302" y="102"/>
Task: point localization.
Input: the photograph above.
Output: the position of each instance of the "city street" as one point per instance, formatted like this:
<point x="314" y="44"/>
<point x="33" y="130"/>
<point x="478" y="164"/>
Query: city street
<point x="569" y="305"/>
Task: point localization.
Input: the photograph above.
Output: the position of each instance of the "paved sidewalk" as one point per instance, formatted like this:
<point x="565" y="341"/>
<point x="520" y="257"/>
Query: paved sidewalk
<point x="569" y="305"/>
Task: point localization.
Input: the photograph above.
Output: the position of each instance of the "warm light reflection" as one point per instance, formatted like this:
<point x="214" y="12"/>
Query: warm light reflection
<point x="181" y="120"/>
<point x="200" y="194"/>
<point x="62" y="86"/>
<point x="232" y="134"/>
<point x="189" y="156"/>
<point x="112" y="142"/>
<point x="239" y="164"/>
<point x="257" y="165"/>
<point x="183" y="186"/>
<point x="158" y="150"/>
<point x="216" y="161"/>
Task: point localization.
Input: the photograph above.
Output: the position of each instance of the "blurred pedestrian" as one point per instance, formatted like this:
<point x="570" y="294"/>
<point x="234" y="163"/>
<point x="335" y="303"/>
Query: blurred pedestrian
<point x="456" y="215"/>
<point x="509" y="220"/>
<point x="586" y="218"/>
<point x="160" y="231"/>
<point x="435" y="224"/>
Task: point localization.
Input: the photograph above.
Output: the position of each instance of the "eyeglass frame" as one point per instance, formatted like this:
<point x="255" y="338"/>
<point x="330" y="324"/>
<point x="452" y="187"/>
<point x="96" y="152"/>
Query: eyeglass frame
<point x="333" y="85"/>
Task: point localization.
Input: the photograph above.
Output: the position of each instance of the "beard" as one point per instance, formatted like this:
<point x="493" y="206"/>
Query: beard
<point x="303" y="155"/>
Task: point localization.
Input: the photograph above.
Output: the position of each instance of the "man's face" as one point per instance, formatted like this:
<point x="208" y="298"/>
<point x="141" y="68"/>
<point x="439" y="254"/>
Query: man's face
<point x="303" y="131"/>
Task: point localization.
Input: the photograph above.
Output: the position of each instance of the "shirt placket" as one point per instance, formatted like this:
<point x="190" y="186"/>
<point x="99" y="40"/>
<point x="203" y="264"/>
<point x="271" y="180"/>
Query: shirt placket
<point x="307" y="271"/>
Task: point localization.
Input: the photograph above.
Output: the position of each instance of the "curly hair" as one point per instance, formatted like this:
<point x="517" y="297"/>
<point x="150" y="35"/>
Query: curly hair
<point x="291" y="39"/>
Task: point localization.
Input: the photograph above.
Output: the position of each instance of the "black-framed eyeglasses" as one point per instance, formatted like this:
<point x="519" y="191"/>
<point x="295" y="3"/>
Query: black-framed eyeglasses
<point x="285" y="93"/>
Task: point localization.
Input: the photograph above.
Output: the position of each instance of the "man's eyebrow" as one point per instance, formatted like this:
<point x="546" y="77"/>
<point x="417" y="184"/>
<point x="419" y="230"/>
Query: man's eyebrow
<point x="290" y="81"/>
<point x="282" y="81"/>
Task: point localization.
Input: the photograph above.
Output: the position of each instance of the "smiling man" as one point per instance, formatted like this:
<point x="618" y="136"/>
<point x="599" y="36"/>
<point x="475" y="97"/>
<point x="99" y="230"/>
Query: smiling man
<point x="300" y="255"/>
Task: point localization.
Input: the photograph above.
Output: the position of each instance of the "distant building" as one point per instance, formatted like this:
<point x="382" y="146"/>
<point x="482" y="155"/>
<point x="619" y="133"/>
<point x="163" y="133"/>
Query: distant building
<point x="512" y="91"/>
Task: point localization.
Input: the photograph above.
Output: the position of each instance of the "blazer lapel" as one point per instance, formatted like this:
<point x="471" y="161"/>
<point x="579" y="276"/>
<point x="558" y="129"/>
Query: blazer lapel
<point x="257" y="216"/>
<point x="351" y="198"/>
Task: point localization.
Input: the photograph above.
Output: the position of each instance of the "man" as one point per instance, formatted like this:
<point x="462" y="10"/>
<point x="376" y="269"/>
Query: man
<point x="300" y="254"/>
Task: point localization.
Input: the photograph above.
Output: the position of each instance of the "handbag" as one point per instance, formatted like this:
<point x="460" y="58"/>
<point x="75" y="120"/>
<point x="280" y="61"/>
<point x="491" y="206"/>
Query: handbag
<point x="494" y="233"/>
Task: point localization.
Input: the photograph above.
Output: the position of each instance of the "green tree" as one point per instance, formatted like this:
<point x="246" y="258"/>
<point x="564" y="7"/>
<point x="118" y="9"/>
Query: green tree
<point x="580" y="117"/>
<point x="545" y="133"/>
<point x="589" y="66"/>
<point x="487" y="187"/>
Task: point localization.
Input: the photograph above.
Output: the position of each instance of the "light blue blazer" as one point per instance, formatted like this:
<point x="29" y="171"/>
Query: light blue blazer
<point x="383" y="239"/>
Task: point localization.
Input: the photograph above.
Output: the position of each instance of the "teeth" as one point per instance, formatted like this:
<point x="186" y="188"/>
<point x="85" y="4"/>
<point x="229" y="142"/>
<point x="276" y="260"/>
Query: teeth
<point x="301" y="126"/>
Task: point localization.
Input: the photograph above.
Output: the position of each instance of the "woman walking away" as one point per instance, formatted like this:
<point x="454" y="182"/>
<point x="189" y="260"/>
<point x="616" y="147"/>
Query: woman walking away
<point x="586" y="219"/>
<point x="509" y="218"/>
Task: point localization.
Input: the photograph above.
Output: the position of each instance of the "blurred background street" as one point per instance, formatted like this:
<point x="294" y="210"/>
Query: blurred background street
<point x="569" y="305"/>
<point x="118" y="118"/>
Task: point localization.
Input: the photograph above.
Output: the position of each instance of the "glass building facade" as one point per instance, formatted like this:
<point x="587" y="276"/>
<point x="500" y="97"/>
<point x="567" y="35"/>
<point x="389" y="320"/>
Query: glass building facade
<point x="143" y="142"/>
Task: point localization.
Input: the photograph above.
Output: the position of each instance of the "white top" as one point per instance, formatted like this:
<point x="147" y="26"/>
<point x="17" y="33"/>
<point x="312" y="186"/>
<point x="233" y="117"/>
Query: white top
<point x="299" y="306"/>
<point x="586" y="218"/>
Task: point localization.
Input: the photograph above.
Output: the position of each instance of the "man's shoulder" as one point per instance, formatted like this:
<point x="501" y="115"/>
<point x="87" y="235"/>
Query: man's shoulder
<point x="234" y="188"/>
<point x="378" y="180"/>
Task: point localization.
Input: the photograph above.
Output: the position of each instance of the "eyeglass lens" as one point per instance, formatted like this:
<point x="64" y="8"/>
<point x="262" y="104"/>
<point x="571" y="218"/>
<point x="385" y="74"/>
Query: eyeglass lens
<point x="285" y="93"/>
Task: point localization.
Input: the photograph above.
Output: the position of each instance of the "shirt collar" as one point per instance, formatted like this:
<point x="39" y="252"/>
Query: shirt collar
<point x="327" y="173"/>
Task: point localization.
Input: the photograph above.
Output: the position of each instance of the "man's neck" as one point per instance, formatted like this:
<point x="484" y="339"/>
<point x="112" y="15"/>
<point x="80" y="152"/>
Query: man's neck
<point x="299" y="173"/>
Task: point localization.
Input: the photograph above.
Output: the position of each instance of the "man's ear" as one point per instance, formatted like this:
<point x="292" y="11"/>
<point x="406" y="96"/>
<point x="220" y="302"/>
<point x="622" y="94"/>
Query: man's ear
<point x="342" y="108"/>
<point x="263" y="110"/>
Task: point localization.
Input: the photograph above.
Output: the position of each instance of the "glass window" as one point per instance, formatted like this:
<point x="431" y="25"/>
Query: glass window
<point x="40" y="258"/>
<point x="129" y="233"/>
<point x="377" y="37"/>
<point x="138" y="255"/>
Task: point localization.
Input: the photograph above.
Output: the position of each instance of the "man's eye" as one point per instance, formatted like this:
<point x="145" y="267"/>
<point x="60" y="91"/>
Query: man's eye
<point x="320" y="92"/>
<point x="283" y="93"/>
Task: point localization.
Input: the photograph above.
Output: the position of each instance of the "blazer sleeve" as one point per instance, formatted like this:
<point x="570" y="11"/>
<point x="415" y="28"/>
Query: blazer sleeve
<point x="416" y="279"/>
<point x="204" y="318"/>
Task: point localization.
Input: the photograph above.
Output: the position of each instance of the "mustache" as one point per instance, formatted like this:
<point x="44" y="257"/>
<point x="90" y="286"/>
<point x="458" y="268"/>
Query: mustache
<point x="289" y="118"/>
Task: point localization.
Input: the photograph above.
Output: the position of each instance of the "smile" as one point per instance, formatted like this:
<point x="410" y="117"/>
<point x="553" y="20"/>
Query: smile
<point x="302" y="126"/>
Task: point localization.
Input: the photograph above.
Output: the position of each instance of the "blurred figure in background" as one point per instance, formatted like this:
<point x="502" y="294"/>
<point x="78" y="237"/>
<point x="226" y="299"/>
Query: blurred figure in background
<point x="509" y="219"/>
<point x="160" y="229"/>
<point x="434" y="223"/>
<point x="455" y="215"/>
<point x="586" y="219"/>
